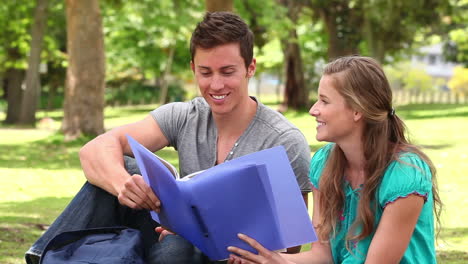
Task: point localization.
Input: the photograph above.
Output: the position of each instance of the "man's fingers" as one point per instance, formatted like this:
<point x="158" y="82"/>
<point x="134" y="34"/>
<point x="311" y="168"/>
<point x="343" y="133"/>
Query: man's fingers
<point x="153" y="199"/>
<point x="134" y="191"/>
<point x="131" y="192"/>
<point x="124" y="200"/>
<point x="147" y="193"/>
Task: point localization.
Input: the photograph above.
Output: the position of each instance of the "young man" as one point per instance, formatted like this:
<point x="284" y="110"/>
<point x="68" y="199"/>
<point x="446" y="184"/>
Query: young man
<point x="223" y="124"/>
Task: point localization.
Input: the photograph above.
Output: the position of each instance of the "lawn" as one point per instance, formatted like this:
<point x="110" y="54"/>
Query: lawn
<point x="40" y="173"/>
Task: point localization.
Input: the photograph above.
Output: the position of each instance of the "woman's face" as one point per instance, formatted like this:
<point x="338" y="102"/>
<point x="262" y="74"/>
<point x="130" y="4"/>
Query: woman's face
<point x="336" y="121"/>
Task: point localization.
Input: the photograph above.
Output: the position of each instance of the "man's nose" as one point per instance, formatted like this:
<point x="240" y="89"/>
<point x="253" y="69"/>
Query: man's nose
<point x="217" y="82"/>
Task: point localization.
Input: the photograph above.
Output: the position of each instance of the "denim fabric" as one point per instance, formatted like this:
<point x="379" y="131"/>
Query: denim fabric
<point x="93" y="207"/>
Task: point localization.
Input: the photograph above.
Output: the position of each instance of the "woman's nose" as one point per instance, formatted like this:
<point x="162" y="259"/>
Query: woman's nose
<point x="314" y="111"/>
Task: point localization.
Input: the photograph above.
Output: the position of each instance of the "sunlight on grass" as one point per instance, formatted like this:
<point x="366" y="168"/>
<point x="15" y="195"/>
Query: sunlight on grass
<point x="40" y="173"/>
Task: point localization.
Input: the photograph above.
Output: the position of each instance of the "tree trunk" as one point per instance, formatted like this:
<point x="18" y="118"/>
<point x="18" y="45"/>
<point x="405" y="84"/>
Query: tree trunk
<point x="30" y="96"/>
<point x="167" y="71"/>
<point x="219" y="5"/>
<point x="3" y="83"/>
<point x="343" y="26"/>
<point x="295" y="94"/>
<point x="376" y="44"/>
<point x="14" y="79"/>
<point x="84" y="86"/>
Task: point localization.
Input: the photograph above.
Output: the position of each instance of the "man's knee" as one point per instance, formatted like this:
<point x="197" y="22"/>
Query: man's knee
<point x="131" y="165"/>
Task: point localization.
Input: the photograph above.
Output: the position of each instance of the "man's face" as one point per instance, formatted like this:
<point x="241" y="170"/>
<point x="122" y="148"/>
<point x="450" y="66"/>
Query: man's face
<point x="222" y="77"/>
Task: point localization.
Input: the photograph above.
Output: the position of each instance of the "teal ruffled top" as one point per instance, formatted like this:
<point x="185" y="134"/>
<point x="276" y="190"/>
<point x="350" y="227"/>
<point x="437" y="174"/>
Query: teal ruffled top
<point x="409" y="175"/>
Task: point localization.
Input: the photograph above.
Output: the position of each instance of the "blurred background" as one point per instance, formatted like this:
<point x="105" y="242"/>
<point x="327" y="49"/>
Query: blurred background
<point x="115" y="52"/>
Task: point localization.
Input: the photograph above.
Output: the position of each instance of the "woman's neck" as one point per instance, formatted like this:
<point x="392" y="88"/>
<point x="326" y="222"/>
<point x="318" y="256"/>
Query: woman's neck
<point x="356" y="162"/>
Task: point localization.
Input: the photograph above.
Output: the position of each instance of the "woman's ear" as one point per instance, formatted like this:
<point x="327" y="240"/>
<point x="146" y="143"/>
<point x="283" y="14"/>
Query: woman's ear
<point x="357" y="116"/>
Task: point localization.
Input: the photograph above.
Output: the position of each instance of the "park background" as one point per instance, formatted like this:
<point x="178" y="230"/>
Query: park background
<point x="70" y="70"/>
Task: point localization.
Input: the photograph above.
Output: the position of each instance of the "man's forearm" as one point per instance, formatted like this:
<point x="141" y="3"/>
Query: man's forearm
<point x="102" y="163"/>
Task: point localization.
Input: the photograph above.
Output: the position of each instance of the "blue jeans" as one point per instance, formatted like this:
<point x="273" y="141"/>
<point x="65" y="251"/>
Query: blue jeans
<point x="93" y="207"/>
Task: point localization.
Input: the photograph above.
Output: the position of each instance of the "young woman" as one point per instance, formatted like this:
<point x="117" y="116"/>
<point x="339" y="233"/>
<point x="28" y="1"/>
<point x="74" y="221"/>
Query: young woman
<point x="375" y="194"/>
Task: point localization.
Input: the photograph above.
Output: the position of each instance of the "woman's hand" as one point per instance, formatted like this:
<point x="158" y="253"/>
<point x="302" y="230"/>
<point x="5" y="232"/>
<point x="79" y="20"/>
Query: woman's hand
<point x="244" y="256"/>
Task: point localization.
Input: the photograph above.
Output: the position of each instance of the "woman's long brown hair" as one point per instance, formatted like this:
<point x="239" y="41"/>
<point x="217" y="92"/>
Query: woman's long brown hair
<point x="362" y="82"/>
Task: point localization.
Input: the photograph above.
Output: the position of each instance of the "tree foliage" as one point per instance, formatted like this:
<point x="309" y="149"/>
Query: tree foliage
<point x="459" y="81"/>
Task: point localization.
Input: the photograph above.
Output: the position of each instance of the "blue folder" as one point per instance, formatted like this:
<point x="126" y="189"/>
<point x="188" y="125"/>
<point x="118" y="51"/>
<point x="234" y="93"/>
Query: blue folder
<point x="256" y="194"/>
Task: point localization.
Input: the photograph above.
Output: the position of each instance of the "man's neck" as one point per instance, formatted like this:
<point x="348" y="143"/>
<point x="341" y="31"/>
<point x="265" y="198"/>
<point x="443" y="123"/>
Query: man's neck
<point x="235" y="123"/>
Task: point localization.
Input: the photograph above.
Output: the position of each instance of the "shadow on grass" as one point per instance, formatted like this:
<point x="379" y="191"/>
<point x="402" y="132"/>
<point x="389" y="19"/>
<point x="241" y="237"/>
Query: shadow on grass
<point x="21" y="224"/>
<point x="49" y="153"/>
<point x="54" y="153"/>
<point x="131" y="110"/>
<point x="436" y="147"/>
<point x="453" y="239"/>
<point x="428" y="111"/>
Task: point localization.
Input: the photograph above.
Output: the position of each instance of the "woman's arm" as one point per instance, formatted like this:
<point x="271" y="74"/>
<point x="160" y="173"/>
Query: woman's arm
<point x="395" y="230"/>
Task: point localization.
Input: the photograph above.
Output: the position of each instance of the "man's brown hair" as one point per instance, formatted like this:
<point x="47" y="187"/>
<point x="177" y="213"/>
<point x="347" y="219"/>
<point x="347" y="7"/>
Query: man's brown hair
<point x="218" y="28"/>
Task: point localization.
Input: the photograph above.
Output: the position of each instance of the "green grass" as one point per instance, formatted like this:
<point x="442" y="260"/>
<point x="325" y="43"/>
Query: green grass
<point x="40" y="174"/>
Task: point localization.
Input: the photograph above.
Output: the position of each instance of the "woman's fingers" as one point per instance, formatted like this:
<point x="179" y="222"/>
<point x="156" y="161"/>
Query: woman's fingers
<point x="233" y="259"/>
<point x="253" y="243"/>
<point x="246" y="255"/>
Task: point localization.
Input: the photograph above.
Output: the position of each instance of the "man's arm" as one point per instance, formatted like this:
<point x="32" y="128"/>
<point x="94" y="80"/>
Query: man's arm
<point x="103" y="165"/>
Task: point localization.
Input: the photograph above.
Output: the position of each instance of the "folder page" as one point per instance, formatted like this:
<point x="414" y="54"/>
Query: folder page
<point x="294" y="221"/>
<point x="229" y="200"/>
<point x="175" y="211"/>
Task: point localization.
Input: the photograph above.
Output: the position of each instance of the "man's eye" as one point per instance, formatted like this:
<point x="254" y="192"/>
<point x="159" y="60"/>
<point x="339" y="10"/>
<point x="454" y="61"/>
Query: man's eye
<point x="205" y="73"/>
<point x="228" y="73"/>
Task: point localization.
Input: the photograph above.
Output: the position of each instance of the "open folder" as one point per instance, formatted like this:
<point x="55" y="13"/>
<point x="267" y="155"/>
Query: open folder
<point x="256" y="194"/>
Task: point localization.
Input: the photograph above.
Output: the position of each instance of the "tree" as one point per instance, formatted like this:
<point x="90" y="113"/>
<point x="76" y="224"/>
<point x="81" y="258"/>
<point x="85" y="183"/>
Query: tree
<point x="148" y="48"/>
<point x="216" y="5"/>
<point x="391" y="26"/>
<point x="459" y="82"/>
<point x="15" y="18"/>
<point x="455" y="33"/>
<point x="84" y="88"/>
<point x="375" y="27"/>
<point x="295" y="93"/>
<point x="342" y="21"/>
<point x="31" y="93"/>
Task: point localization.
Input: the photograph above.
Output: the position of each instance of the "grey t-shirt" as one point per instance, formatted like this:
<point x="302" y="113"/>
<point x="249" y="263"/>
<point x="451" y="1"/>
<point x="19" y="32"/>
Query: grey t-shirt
<point x="191" y="130"/>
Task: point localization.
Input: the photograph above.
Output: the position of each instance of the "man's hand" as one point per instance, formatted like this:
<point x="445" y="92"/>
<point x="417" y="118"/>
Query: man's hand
<point x="163" y="232"/>
<point x="136" y="194"/>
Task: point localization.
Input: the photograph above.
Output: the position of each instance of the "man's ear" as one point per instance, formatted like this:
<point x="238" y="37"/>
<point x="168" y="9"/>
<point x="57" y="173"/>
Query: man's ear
<point x="251" y="69"/>
<point x="192" y="66"/>
<point x="357" y="116"/>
